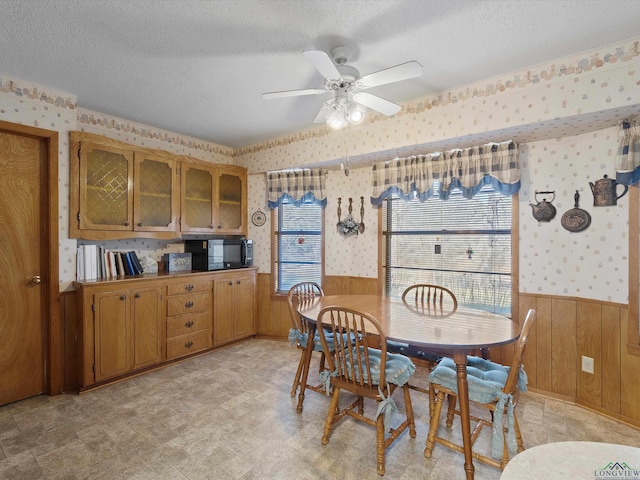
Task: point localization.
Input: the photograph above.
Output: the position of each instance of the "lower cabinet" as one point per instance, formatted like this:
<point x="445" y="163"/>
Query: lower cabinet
<point x="233" y="316"/>
<point x="132" y="323"/>
<point x="188" y="318"/>
<point x="127" y="330"/>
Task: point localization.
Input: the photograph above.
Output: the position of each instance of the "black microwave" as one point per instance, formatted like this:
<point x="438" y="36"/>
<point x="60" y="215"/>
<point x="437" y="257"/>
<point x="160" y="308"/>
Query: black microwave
<point x="219" y="254"/>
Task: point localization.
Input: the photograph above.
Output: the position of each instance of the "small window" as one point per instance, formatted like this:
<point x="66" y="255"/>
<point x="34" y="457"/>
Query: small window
<point x="462" y="244"/>
<point x="297" y="256"/>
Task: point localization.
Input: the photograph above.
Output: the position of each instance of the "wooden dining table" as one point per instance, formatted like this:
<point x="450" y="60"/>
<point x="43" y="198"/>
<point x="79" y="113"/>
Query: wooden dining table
<point x="456" y="334"/>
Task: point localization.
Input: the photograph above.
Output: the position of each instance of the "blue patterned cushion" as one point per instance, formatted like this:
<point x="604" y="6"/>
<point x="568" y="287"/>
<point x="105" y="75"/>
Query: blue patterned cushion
<point x="485" y="378"/>
<point x="398" y="369"/>
<point x="296" y="336"/>
<point x="486" y="381"/>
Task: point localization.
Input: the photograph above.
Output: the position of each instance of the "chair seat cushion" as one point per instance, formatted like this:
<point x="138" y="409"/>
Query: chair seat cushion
<point x="296" y="336"/>
<point x="398" y="368"/>
<point x="406" y="349"/>
<point x="485" y="378"/>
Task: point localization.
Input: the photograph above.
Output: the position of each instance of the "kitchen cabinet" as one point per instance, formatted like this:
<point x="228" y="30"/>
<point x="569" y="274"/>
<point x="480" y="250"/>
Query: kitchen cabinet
<point x="123" y="191"/>
<point x="234" y="307"/>
<point x="123" y="325"/>
<point x="117" y="191"/>
<point x="188" y="318"/>
<point x="131" y="324"/>
<point x="213" y="199"/>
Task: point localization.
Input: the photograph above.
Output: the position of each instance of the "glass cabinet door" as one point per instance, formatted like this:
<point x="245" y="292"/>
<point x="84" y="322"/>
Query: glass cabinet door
<point x="229" y="203"/>
<point x="155" y="194"/>
<point x="106" y="188"/>
<point x="197" y="199"/>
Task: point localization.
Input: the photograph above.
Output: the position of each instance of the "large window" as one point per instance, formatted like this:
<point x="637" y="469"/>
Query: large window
<point x="297" y="255"/>
<point x="462" y="244"/>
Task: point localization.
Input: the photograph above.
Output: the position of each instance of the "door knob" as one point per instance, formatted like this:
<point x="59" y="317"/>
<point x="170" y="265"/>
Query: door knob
<point x="35" y="280"/>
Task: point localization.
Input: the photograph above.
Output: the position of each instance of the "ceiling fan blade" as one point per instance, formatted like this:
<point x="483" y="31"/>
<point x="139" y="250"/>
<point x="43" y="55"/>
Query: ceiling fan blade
<point x="323" y="115"/>
<point x="323" y="63"/>
<point x="404" y="71"/>
<point x="376" y="103"/>
<point x="294" y="93"/>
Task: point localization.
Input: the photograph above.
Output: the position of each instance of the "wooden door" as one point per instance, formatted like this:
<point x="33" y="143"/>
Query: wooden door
<point x="147" y="315"/>
<point x="156" y="201"/>
<point x="23" y="276"/>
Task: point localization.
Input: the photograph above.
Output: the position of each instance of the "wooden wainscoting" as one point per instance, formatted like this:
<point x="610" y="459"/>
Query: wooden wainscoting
<point x="71" y="342"/>
<point x="564" y="331"/>
<point x="273" y="312"/>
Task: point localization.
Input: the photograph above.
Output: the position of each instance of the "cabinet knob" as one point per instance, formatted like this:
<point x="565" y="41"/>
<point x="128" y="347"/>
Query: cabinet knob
<point x="137" y="295"/>
<point x="188" y="344"/>
<point x="140" y="224"/>
<point x="126" y="224"/>
<point x="237" y="282"/>
<point x="189" y="324"/>
<point x="123" y="297"/>
<point x="211" y="226"/>
<point x="188" y="304"/>
<point x="230" y="283"/>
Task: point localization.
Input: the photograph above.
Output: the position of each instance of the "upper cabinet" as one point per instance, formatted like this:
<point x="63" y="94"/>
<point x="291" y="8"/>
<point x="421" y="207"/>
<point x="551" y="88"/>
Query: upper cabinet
<point x="213" y="199"/>
<point x="122" y="191"/>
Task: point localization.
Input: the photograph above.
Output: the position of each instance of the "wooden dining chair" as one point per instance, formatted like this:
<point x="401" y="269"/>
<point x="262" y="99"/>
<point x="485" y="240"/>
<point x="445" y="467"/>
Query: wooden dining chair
<point x="299" y="336"/>
<point x="360" y="364"/>
<point x="432" y="301"/>
<point x="492" y="386"/>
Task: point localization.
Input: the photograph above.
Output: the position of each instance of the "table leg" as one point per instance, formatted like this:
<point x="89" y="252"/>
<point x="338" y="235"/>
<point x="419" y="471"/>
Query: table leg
<point x="463" y="397"/>
<point x="308" y="352"/>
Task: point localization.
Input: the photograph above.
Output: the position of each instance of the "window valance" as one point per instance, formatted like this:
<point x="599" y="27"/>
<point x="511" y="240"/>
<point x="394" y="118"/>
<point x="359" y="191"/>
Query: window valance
<point x="297" y="187"/>
<point x="468" y="169"/>
<point x="628" y="159"/>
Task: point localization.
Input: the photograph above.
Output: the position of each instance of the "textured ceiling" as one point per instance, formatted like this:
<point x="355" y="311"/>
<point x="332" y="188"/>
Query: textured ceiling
<point x="199" y="67"/>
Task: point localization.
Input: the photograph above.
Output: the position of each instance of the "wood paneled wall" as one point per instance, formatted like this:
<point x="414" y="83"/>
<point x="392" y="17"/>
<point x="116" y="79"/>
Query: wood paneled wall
<point x="565" y="329"/>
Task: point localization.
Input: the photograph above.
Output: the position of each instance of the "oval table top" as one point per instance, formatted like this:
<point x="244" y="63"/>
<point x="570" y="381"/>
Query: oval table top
<point x="579" y="460"/>
<point x="463" y="329"/>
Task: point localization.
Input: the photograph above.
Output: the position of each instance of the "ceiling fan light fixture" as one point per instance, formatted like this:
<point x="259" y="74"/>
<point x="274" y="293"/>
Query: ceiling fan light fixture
<point x="356" y="112"/>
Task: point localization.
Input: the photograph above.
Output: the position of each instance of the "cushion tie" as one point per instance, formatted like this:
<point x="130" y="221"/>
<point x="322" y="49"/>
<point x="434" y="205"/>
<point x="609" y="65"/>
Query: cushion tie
<point x="325" y="377"/>
<point x="496" y="442"/>
<point x="296" y="337"/>
<point x="387" y="407"/>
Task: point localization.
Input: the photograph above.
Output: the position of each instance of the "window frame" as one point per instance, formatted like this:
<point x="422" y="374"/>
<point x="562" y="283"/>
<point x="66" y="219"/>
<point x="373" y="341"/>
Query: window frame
<point x="633" y="340"/>
<point x="515" y="248"/>
<point x="274" y="253"/>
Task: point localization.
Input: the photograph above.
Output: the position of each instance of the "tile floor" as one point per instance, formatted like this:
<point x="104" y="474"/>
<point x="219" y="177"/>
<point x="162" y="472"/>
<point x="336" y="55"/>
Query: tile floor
<point x="228" y="415"/>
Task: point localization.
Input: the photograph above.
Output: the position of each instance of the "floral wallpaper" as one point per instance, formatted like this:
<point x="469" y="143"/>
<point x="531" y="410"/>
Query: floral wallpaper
<point x="537" y="107"/>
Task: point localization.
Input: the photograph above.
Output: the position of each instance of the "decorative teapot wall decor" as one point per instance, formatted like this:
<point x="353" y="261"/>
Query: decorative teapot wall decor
<point x="544" y="211"/>
<point x="605" y="191"/>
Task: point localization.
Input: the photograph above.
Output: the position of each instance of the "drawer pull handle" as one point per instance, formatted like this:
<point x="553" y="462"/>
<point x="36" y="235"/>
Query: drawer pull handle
<point x="188" y="288"/>
<point x="189" y="324"/>
<point x="189" y="344"/>
<point x="188" y="304"/>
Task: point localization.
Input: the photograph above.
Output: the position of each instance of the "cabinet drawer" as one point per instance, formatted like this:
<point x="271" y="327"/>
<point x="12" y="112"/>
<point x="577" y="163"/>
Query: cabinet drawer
<point x="196" y="302"/>
<point x="188" y="323"/>
<point x="187" y="344"/>
<point x="188" y="287"/>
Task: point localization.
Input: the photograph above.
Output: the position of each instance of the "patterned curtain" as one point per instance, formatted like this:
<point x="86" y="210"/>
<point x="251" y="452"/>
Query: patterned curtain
<point x="469" y="170"/>
<point x="628" y="160"/>
<point x="297" y="187"/>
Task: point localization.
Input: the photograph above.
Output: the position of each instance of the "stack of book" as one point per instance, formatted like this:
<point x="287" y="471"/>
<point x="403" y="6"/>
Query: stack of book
<point x="95" y="262"/>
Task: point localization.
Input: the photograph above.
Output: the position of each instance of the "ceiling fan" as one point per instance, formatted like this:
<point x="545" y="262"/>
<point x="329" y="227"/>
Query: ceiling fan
<point x="349" y="102"/>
